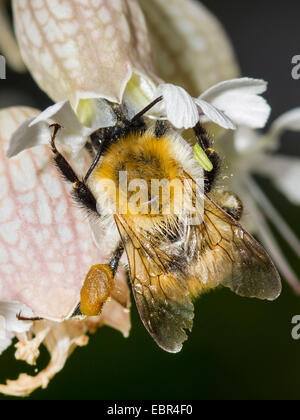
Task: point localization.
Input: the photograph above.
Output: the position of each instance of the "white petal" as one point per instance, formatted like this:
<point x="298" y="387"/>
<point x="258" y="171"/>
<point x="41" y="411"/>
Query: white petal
<point x="215" y="115"/>
<point x="10" y="325"/>
<point x="138" y="94"/>
<point x="5" y="336"/>
<point x="245" y="139"/>
<point x="103" y="116"/>
<point x="243" y="85"/>
<point x="288" y="183"/>
<point x="288" y="121"/>
<point x="63" y="114"/>
<point x="180" y="107"/>
<point x="284" y="171"/>
<point x="239" y="99"/>
<point x="5" y="343"/>
<point x="27" y="136"/>
<point x="36" y="131"/>
<point x="73" y="135"/>
<point x="9" y="311"/>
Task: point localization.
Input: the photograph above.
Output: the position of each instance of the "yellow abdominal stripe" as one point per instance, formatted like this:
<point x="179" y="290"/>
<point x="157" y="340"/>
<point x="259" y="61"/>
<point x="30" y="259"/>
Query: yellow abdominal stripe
<point x="141" y="157"/>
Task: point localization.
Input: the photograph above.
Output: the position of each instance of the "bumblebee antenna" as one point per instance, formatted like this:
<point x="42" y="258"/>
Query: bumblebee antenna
<point x="129" y="123"/>
<point x="145" y="110"/>
<point x="95" y="163"/>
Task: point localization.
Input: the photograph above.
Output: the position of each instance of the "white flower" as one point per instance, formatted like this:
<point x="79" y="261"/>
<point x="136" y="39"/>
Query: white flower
<point x="79" y="61"/>
<point x="250" y="153"/>
<point x="79" y="66"/>
<point x="126" y="70"/>
<point x="38" y="221"/>
<point x="9" y="325"/>
<point x="127" y="73"/>
<point x="36" y="131"/>
<point x="229" y="104"/>
<point x="219" y="105"/>
<point x="102" y="57"/>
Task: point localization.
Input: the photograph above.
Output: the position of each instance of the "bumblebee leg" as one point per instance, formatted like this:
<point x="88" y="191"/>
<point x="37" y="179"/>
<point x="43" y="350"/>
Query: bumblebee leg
<point x="83" y="195"/>
<point x="202" y="136"/>
<point x="230" y="203"/>
<point x="21" y="318"/>
<point x="81" y="192"/>
<point x="161" y="128"/>
<point x="204" y="141"/>
<point x="98" y="285"/>
<point x="116" y="257"/>
<point x="210" y="177"/>
<point x="63" y="166"/>
<point x="97" y="288"/>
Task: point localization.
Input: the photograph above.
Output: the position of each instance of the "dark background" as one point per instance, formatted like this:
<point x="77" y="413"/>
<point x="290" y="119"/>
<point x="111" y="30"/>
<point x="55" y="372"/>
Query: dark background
<point x="239" y="348"/>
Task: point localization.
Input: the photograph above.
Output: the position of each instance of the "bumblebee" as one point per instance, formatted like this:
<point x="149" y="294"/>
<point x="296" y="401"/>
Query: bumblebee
<point x="171" y="261"/>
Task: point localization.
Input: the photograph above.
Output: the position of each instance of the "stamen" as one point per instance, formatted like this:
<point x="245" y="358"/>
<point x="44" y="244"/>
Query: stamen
<point x="267" y="238"/>
<point x="274" y="216"/>
<point x="201" y="157"/>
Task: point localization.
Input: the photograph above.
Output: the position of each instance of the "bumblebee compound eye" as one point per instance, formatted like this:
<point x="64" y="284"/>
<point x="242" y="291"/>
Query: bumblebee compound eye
<point x="96" y="290"/>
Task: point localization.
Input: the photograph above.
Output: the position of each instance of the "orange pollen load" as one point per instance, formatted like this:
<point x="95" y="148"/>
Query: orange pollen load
<point x="96" y="290"/>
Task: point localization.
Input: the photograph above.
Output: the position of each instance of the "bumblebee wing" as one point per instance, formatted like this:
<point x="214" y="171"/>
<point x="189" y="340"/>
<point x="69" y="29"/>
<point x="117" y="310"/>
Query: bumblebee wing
<point x="234" y="258"/>
<point x="166" y="276"/>
<point x="162" y="298"/>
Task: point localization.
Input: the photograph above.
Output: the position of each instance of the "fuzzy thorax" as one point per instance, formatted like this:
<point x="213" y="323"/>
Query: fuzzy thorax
<point x="141" y="175"/>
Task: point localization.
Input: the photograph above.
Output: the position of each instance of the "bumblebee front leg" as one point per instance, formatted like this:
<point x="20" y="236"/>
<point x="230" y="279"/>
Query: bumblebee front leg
<point x="81" y="192"/>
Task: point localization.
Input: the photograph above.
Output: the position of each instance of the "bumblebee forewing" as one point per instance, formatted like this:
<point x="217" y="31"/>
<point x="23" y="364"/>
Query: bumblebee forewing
<point x="250" y="271"/>
<point x="162" y="296"/>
